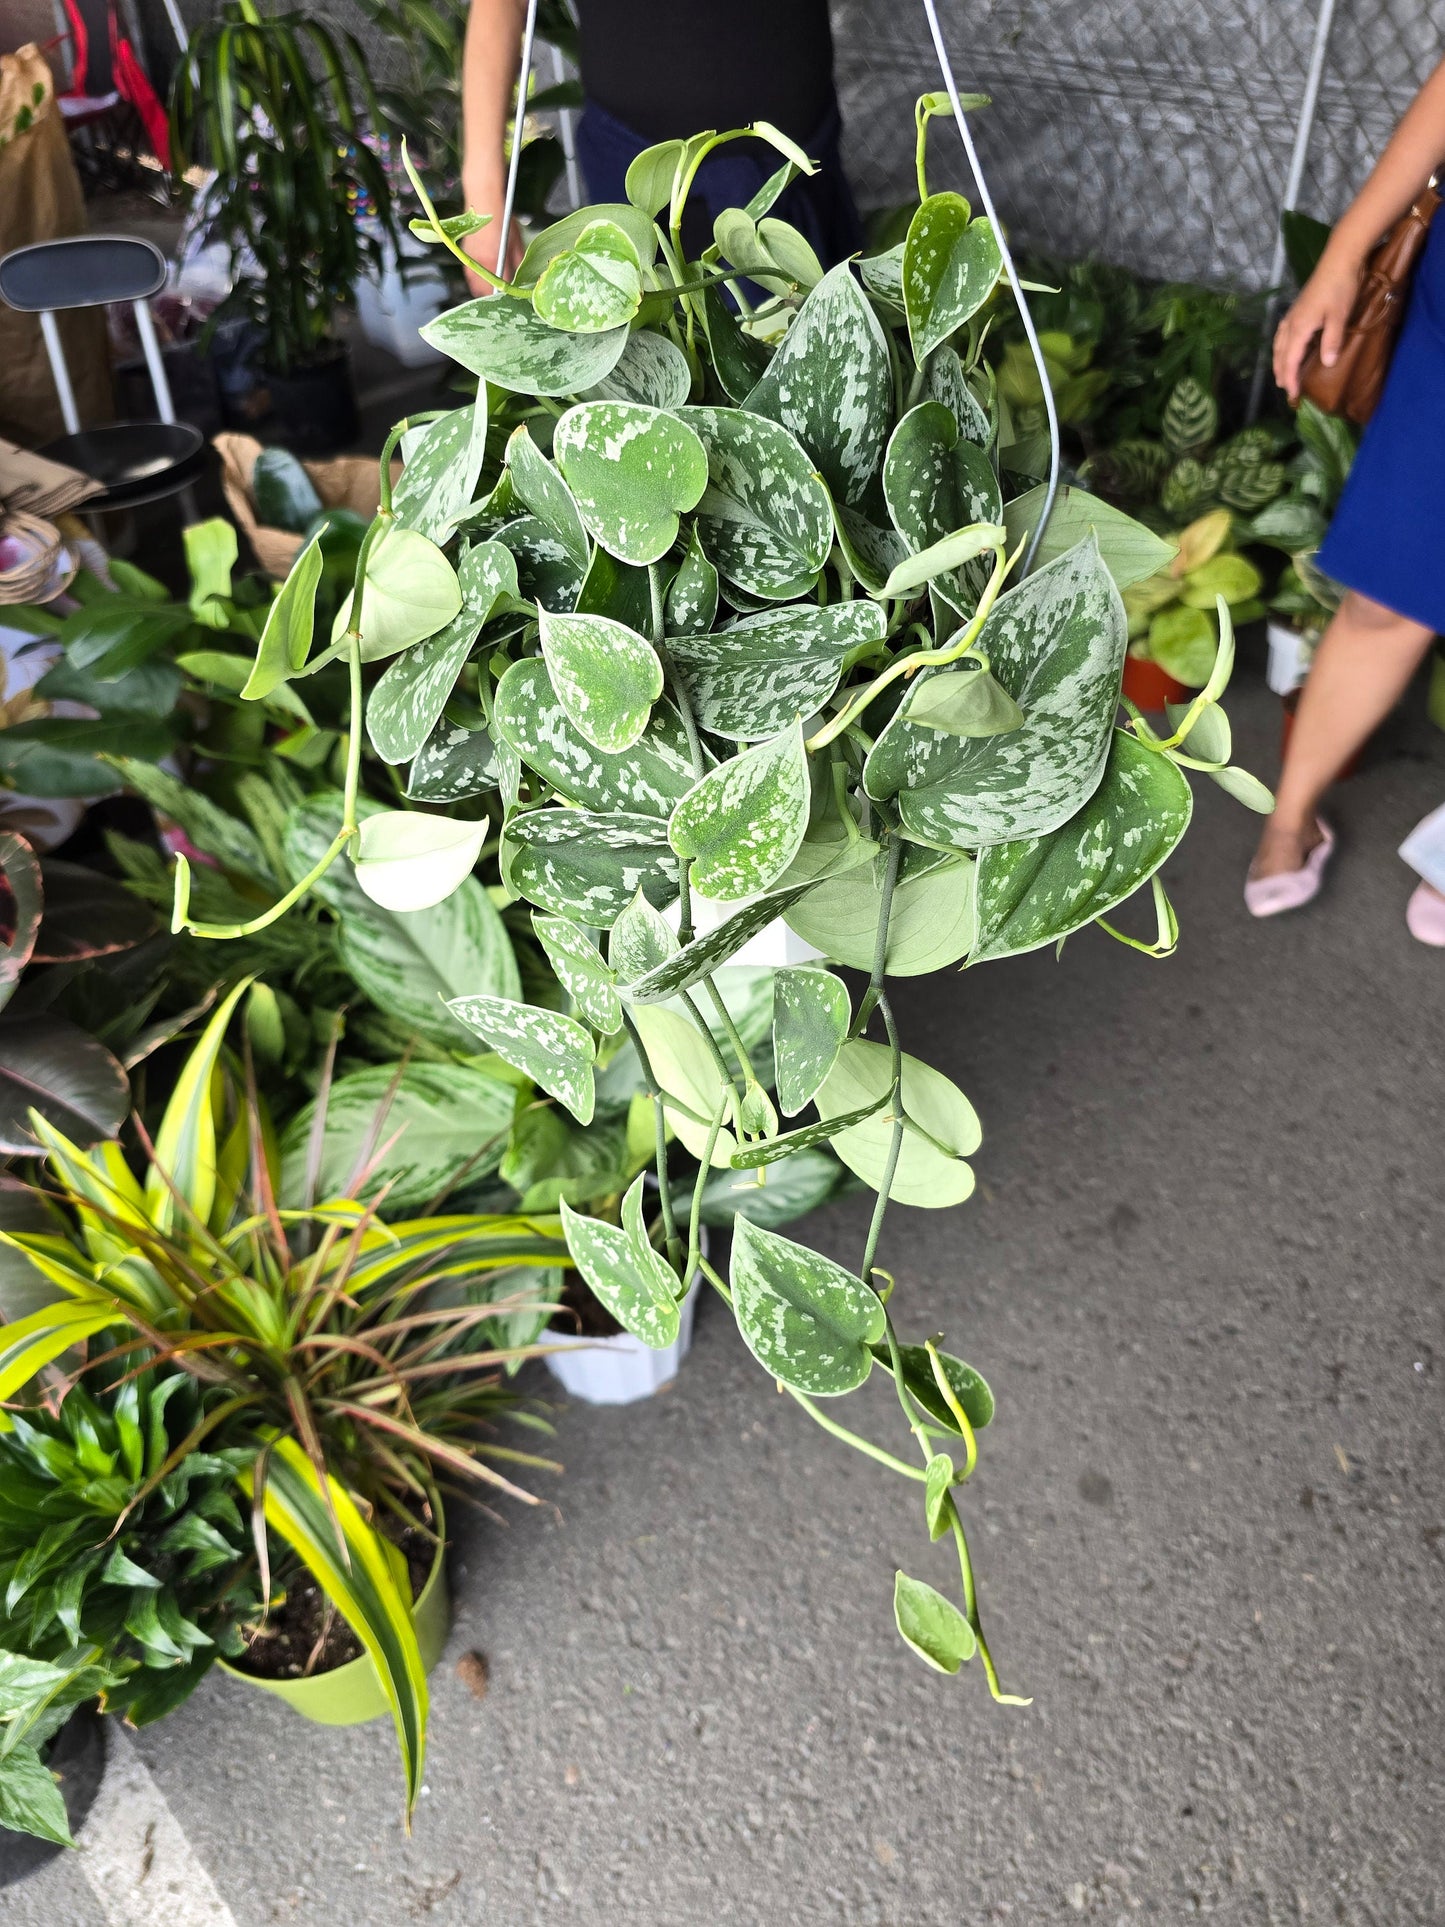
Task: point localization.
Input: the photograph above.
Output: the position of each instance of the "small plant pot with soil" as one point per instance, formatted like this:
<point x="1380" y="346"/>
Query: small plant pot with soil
<point x="337" y="1685"/>
<point x="603" y="1365"/>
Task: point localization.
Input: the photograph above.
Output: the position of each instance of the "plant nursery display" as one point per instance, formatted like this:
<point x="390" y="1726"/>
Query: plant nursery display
<point x="714" y="614"/>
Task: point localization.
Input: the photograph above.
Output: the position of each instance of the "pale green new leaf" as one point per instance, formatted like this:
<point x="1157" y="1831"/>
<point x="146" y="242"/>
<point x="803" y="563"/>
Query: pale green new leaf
<point x="407" y="861"/>
<point x="687" y="1076"/>
<point x="805" y="1319"/>
<point x="932" y="1625"/>
<point x="411" y="592"/>
<point x="556" y="1052"/>
<point x="931" y="924"/>
<point x="743" y="822"/>
<point x="411" y="692"/>
<point x="290" y="624"/>
<point x="941" y="558"/>
<point x="941" y="1127"/>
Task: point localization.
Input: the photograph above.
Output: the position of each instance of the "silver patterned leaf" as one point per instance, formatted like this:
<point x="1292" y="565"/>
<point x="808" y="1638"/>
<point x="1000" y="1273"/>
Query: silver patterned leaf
<point x="811" y="1015"/>
<point x="871" y="552"/>
<point x="765" y="519"/>
<point x="1039" y="889"/>
<point x="951" y="263"/>
<point x="556" y="1052"/>
<point x="639" y="941"/>
<point x="934" y="481"/>
<point x="651" y="369"/>
<point x="831" y="384"/>
<point x="649" y="779"/>
<point x="594" y="285"/>
<point x="624" y="1272"/>
<point x="453" y="762"/>
<point x="581" y="970"/>
<point x="633" y="471"/>
<point x="403" y="709"/>
<point x="741" y="825"/>
<point x="441" y="468"/>
<point x="692" y="595"/>
<point x="677" y="970"/>
<point x="538" y="486"/>
<point x="502" y="339"/>
<point x="944" y="381"/>
<point x="1056" y="643"/>
<point x="752" y="678"/>
<point x="806" y="1320"/>
<point x="588" y="866"/>
<point x="548" y="573"/>
<point x="605" y="676"/>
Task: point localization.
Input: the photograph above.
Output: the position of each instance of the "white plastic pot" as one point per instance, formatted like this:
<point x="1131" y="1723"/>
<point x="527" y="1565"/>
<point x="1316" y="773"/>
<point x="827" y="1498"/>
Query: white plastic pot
<point x="775" y="944"/>
<point x="1289" y="657"/>
<point x="621" y="1369"/>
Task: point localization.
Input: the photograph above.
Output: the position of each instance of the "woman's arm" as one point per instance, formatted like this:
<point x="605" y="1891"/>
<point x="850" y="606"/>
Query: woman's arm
<point x="489" y="71"/>
<point x="1415" y="150"/>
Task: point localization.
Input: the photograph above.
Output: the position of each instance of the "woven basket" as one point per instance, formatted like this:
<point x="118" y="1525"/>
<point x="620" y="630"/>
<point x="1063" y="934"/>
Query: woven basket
<point x="343" y="482"/>
<point x="42" y="568"/>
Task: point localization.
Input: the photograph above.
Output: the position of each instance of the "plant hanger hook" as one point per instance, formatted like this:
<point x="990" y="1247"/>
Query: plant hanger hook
<point x="945" y="67"/>
<point x="524" y="75"/>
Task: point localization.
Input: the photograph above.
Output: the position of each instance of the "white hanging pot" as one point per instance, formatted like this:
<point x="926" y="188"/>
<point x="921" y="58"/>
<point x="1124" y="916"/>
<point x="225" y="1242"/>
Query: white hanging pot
<point x="1289" y="657"/>
<point x="620" y="1370"/>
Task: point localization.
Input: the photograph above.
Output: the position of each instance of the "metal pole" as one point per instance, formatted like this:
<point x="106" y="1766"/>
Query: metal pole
<point x="523" y="80"/>
<point x="567" y="135"/>
<point x="1299" y="156"/>
<point x="55" y="354"/>
<point x="1051" y="493"/>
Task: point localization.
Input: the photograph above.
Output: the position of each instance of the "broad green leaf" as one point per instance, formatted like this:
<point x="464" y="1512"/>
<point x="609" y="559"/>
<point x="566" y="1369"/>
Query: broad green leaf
<point x="562" y="235"/>
<point x="415" y="1128"/>
<point x="752" y="678"/>
<point x="831" y="384"/>
<point x="588" y="865"/>
<point x="651" y="174"/>
<point x="551" y="1157"/>
<point x="651" y="369"/>
<point x="941" y="1127"/>
<point x="647" y="779"/>
<point x="806" y="1320"/>
<point x="942" y="558"/>
<point x="738" y="359"/>
<point x="765" y="520"/>
<point x="443" y="463"/>
<point x="411" y="692"/>
<point x="687" y="1075"/>
<point x="625" y="1273"/>
<point x="616" y="589"/>
<point x="605" y="676"/>
<point x="931" y="923"/>
<point x="539" y="487"/>
<point x="742" y="823"/>
<point x="362" y="1583"/>
<point x="639" y="941"/>
<point x="932" y="1625"/>
<point x="945" y="381"/>
<point x="29" y="1344"/>
<point x="1039" y="889"/>
<point x="963" y="702"/>
<point x="183" y="1165"/>
<point x="407" y="963"/>
<point x="936" y="1508"/>
<point x="51" y="1066"/>
<point x="1129" y="551"/>
<point x="633" y="471"/>
<point x="951" y="263"/>
<point x="554" y="1051"/>
<point x="62" y="755"/>
<point x="811" y="1015"/>
<point x="679" y="970"/>
<point x="768" y="251"/>
<point x="411" y="591"/>
<point x="593" y="286"/>
<point x="30" y="1797"/>
<point x="406" y="860"/>
<point x="284" y="494"/>
<point x="934" y="481"/>
<point x="691" y="604"/>
<point x="502" y="339"/>
<point x="587" y="979"/>
<point x="972" y="1392"/>
<point x="290" y="624"/>
<point x="1244" y="788"/>
<point x="211" y="552"/>
<point x="1056" y="644"/>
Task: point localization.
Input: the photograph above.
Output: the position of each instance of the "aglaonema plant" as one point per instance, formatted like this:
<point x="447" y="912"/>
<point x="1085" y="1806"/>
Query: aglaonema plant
<point x="711" y="611"/>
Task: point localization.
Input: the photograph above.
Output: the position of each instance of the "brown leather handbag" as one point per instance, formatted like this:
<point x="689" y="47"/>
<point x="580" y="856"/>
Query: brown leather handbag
<point x="1352" y="387"/>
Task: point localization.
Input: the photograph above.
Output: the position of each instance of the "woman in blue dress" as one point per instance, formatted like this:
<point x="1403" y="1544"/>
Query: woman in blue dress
<point x="1387" y="542"/>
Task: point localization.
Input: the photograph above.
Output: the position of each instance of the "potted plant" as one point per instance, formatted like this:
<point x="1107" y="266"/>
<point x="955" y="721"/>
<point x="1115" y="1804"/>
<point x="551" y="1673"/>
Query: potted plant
<point x="1174" y="625"/>
<point x="743" y="611"/>
<point x="280" y="109"/>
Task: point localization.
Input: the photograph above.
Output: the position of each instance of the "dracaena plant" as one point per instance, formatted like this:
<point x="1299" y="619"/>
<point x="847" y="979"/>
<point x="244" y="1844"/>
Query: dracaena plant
<point x="351" y="1361"/>
<point x="714" y="609"/>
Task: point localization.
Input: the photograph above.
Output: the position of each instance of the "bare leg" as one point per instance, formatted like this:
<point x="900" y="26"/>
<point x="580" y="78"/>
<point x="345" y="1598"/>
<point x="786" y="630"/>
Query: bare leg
<point x="1362" y="668"/>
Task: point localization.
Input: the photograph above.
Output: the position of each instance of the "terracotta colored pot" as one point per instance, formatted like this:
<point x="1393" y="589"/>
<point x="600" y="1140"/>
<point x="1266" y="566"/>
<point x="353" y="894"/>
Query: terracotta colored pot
<point x="1149" y="686"/>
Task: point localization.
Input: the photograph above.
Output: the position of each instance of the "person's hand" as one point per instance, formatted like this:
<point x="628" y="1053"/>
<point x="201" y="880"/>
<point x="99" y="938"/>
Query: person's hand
<point x="1322" y="310"/>
<point x="488" y="197"/>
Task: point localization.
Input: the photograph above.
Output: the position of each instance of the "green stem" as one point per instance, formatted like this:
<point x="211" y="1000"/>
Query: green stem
<point x="874" y="992"/>
<point x="865" y="1446"/>
<point x="895" y="1145"/>
<point x="971" y="1612"/>
<point x="675" y="1250"/>
<point x="719" y="1061"/>
<point x="694" y="1227"/>
<point x="730" y="1031"/>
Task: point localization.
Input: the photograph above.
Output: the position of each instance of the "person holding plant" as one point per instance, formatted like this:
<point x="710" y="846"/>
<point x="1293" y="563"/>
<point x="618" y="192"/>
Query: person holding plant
<point x="1385" y="543"/>
<point x="654" y="70"/>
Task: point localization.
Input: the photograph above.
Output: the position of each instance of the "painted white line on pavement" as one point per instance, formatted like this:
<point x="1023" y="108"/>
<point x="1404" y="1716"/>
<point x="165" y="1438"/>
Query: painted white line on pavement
<point x="137" y="1861"/>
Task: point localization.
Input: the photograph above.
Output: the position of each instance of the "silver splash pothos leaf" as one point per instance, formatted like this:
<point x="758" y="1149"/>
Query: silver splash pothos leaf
<point x="606" y="677"/>
<point x="586" y="865"/>
<point x="649" y="779"/>
<point x="502" y="339"/>
<point x="742" y="823"/>
<point x="651" y="369"/>
<point x="753" y="677"/>
<point x="556" y="1052"/>
<point x="811" y="1015"/>
<point x="454" y="761"/>
<point x="637" y="1286"/>
<point x="403" y="708"/>
<point x="951" y="263"/>
<point x="935" y="481"/>
<point x="538" y="486"/>
<point x="581" y="970"/>
<point x="765" y="519"/>
<point x="443" y="462"/>
<point x="806" y="1320"/>
<point x="633" y="471"/>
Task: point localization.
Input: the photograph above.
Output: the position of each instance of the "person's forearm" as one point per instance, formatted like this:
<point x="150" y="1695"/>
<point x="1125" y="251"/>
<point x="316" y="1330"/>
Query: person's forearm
<point x="1415" y="150"/>
<point x="489" y="72"/>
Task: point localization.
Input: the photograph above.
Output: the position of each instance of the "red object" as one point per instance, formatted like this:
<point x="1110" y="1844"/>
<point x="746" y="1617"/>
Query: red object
<point x="1149" y="686"/>
<point x="1288" y="705"/>
<point x="93" y="80"/>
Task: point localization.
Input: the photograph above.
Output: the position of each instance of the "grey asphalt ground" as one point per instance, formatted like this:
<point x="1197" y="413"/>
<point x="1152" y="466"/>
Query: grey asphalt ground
<point x="1202" y="1273"/>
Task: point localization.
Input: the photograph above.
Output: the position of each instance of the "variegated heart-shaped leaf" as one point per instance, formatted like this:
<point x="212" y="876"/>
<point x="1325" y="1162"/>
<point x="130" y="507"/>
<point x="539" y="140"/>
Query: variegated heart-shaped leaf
<point x="742" y="824"/>
<point x="605" y="675"/>
<point x="806" y="1320"/>
<point x="588" y="980"/>
<point x="633" y="470"/>
<point x="648" y="779"/>
<point x="586" y="865"/>
<point x="951" y="263"/>
<point x="624" y="1272"/>
<point x="765" y="519"/>
<point x="594" y="285"/>
<point x="553" y="1050"/>
<point x="504" y="340"/>
<point x="751" y="678"/>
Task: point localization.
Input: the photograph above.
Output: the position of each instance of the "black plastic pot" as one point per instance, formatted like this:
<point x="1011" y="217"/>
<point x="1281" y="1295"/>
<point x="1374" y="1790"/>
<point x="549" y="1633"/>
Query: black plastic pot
<point x="313" y="409"/>
<point x="77" y="1755"/>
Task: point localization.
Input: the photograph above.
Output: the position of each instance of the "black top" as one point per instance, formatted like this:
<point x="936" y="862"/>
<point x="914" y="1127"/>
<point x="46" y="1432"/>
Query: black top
<point x="668" y="68"/>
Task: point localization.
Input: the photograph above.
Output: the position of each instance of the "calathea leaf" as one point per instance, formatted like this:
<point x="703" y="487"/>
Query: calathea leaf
<point x="934" y="481"/>
<point x="811" y="1015"/>
<point x="1130" y="552"/>
<point x="624" y="1272"/>
<point x="679" y="970"/>
<point x="765" y="519"/>
<point x="940" y="1126"/>
<point x="806" y="1320"/>
<point x="1039" y="889"/>
<point x="403" y="708"/>
<point x="605" y="676"/>
<point x="753" y="677"/>
<point x="831" y="384"/>
<point x="1056" y="644"/>
<point x="689" y="1080"/>
<point x="586" y="865"/>
<point x="538" y="486"/>
<point x="932" y="1625"/>
<point x="639" y="941"/>
<point x="502" y="339"/>
<point x="691" y="605"/>
<point x="407" y="861"/>
<point x="742" y="823"/>
<point x="652" y="370"/>
<point x="548" y="572"/>
<point x="443" y="461"/>
<point x="950" y="265"/>
<point x="931" y="923"/>
<point x="411" y="591"/>
<point x="595" y="285"/>
<point x="633" y="471"/>
<point x="587" y="979"/>
<point x="647" y="779"/>
<point x="290" y="624"/>
<point x="553" y="1050"/>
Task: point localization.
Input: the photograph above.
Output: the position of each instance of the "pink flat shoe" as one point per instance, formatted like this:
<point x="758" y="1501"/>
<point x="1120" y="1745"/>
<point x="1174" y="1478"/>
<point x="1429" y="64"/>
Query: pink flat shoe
<point x="1293" y="889"/>
<point x="1425" y="916"/>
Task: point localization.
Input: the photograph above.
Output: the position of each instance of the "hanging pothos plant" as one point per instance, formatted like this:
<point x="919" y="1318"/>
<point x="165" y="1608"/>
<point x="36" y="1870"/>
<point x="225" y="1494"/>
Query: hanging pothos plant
<point x="713" y="609"/>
